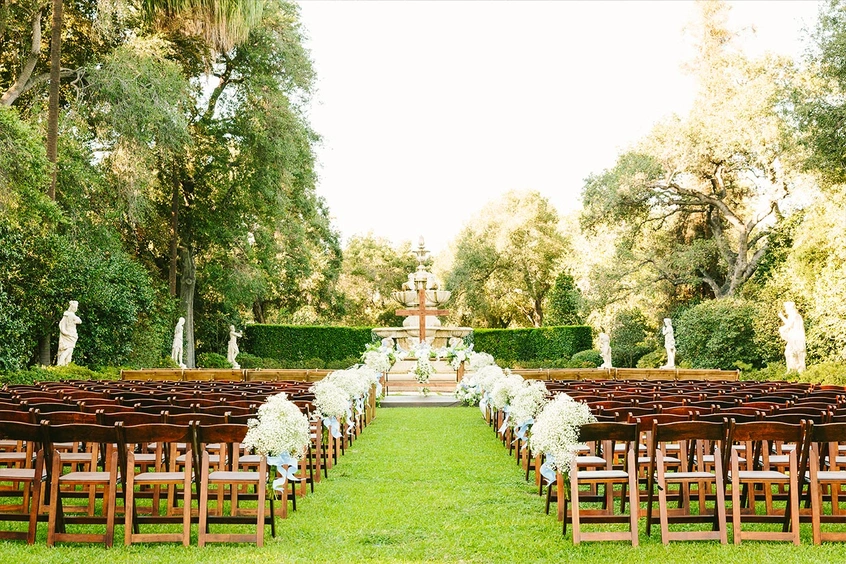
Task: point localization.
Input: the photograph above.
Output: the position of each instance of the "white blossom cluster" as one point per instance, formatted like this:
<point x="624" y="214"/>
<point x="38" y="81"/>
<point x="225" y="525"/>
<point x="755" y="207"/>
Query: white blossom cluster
<point x="505" y="389"/>
<point x="279" y="428"/>
<point x="457" y="354"/>
<point x="487" y="377"/>
<point x="527" y="402"/>
<point x="468" y="392"/>
<point x="378" y="360"/>
<point x="367" y="373"/>
<point x="422" y="370"/>
<point x="352" y="381"/>
<point x="479" y="360"/>
<point x="556" y="430"/>
<point x="330" y="400"/>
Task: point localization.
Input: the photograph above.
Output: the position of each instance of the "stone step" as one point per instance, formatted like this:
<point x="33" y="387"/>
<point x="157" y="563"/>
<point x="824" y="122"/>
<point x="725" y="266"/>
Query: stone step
<point x="419" y="400"/>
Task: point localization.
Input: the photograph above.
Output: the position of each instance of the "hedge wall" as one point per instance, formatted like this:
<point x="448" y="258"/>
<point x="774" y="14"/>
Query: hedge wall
<point x="302" y="342"/>
<point x="538" y="343"/>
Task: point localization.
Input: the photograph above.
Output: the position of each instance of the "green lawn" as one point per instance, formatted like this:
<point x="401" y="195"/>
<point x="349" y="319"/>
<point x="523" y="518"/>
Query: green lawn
<point x="427" y="484"/>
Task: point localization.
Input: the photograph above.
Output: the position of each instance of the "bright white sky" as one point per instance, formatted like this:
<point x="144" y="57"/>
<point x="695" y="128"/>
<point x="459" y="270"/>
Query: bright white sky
<point x="445" y="106"/>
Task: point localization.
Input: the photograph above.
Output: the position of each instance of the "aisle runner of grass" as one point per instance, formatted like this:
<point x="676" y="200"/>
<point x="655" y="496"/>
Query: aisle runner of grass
<point x="427" y="484"/>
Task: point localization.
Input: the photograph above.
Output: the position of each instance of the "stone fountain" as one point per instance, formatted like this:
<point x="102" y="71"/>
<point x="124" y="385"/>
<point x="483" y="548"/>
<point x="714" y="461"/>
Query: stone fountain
<point x="423" y="286"/>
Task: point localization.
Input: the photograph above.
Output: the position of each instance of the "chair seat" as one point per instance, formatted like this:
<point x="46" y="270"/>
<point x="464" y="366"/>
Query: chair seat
<point x="601" y="474"/>
<point x="667" y="460"/>
<point x="158" y="477"/>
<point x="87" y="477"/>
<point x="250" y="459"/>
<point x="9" y="474"/>
<point x="828" y="476"/>
<point x="12" y="456"/>
<point x="227" y="476"/>
<point x="590" y="461"/>
<point x="780" y="459"/>
<point x="762" y="475"/>
<point x="672" y="476"/>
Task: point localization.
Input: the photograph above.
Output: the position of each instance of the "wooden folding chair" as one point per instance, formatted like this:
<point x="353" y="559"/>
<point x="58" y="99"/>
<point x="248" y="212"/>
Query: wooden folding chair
<point x="760" y="434"/>
<point x="827" y="476"/>
<point x="628" y="433"/>
<point x="163" y="473"/>
<point x="700" y="462"/>
<point x="227" y="439"/>
<point x="107" y="479"/>
<point x="25" y="477"/>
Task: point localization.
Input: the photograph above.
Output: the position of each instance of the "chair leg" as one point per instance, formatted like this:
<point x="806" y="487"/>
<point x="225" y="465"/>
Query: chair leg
<point x="204" y="501"/>
<point x="634" y="497"/>
<point x="735" y="498"/>
<point x="574" y="506"/>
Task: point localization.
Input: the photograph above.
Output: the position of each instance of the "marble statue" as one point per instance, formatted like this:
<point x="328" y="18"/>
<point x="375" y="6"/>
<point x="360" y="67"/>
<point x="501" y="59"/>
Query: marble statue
<point x="793" y="333"/>
<point x="669" y="343"/>
<point x="176" y="351"/>
<point x="232" y="351"/>
<point x="605" y="350"/>
<point x="67" y="334"/>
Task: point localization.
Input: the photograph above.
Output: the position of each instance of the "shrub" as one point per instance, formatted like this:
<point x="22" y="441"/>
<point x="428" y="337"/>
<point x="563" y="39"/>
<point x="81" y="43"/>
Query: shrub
<point x="533" y="344"/>
<point x="654" y="359"/>
<point x="301" y="342"/>
<point x="57" y="373"/>
<point x="342" y="364"/>
<point x="586" y="359"/>
<point x="212" y="360"/>
<point x="829" y="373"/>
<point x="628" y="331"/>
<point x="718" y="334"/>
<point x="774" y="371"/>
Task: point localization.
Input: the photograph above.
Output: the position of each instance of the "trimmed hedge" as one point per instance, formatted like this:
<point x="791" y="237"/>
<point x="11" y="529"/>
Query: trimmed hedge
<point x="536" y="343"/>
<point x="303" y="342"/>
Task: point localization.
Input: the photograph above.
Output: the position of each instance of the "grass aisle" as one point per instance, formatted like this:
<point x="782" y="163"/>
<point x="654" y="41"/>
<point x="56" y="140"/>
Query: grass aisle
<point x="427" y="484"/>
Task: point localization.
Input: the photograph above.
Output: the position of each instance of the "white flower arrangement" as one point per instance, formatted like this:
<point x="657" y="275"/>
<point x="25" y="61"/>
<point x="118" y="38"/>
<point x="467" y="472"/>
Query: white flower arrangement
<point x="356" y="383"/>
<point x="487" y="377"/>
<point x="422" y="370"/>
<point x="505" y="389"/>
<point x="280" y="428"/>
<point x="468" y="392"/>
<point x="422" y="350"/>
<point x="527" y="403"/>
<point x="479" y="360"/>
<point x="330" y="400"/>
<point x="379" y="357"/>
<point x="457" y="354"/>
<point x="556" y="430"/>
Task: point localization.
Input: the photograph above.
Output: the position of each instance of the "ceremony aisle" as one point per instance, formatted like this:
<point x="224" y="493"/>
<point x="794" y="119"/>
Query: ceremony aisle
<point x="428" y="484"/>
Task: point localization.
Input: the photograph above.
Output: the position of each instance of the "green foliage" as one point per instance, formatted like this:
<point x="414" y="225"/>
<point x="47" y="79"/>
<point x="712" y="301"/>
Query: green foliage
<point x="72" y="371"/>
<point x="826" y="373"/>
<point x="772" y="372"/>
<point x="212" y="360"/>
<point x="718" y="334"/>
<point x="564" y="302"/>
<point x="539" y="343"/>
<point x="589" y="358"/>
<point x="301" y="342"/>
<point x="505" y="262"/>
<point x="654" y="359"/>
<point x="628" y="331"/>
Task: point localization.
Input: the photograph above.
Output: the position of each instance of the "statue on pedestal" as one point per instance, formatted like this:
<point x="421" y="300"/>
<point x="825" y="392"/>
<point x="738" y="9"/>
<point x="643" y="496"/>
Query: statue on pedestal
<point x="605" y="350"/>
<point x="793" y="333"/>
<point x="176" y="351"/>
<point x="669" y="343"/>
<point x="232" y="351"/>
<point x="67" y="334"/>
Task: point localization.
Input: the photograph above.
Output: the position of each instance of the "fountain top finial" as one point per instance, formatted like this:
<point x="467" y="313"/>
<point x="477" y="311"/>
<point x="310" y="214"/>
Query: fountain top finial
<point x="421" y="253"/>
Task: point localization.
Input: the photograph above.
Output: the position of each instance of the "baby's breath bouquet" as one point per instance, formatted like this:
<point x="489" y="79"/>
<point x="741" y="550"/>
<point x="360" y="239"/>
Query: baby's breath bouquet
<point x="423" y="370"/>
<point x="280" y="428"/>
<point x="555" y="431"/>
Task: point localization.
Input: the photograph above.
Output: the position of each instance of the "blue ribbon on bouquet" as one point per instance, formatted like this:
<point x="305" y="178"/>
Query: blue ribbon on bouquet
<point x="287" y="467"/>
<point x="546" y="470"/>
<point x="505" y="410"/>
<point x="359" y="405"/>
<point x="350" y="421"/>
<point x="522" y="428"/>
<point x="483" y="403"/>
<point x="333" y="425"/>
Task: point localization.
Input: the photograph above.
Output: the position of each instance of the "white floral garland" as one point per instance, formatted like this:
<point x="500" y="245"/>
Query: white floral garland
<point x="330" y="400"/>
<point x="556" y="430"/>
<point x="422" y="370"/>
<point x="505" y="389"/>
<point x="527" y="403"/>
<point x="280" y="428"/>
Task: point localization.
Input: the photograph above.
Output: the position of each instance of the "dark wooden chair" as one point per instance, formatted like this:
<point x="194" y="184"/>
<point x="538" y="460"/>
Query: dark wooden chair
<point x="760" y="434"/>
<point x="163" y="472"/>
<point x="701" y="463"/>
<point x="629" y="434"/>
<point x="106" y="479"/>
<point x="825" y="441"/>
<point x="25" y="478"/>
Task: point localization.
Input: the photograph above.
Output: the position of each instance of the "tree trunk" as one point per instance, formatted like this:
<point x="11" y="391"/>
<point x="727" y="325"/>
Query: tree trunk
<point x="186" y="299"/>
<point x="44" y="356"/>
<point x="174" y="235"/>
<point x="258" y="311"/>
<point x="19" y="86"/>
<point x="53" y="113"/>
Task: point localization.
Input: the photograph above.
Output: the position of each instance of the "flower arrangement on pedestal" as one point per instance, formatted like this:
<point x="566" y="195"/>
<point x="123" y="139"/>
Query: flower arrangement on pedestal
<point x="555" y="433"/>
<point x="456" y="354"/>
<point x="379" y="357"/>
<point x="281" y="432"/>
<point x="423" y="369"/>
